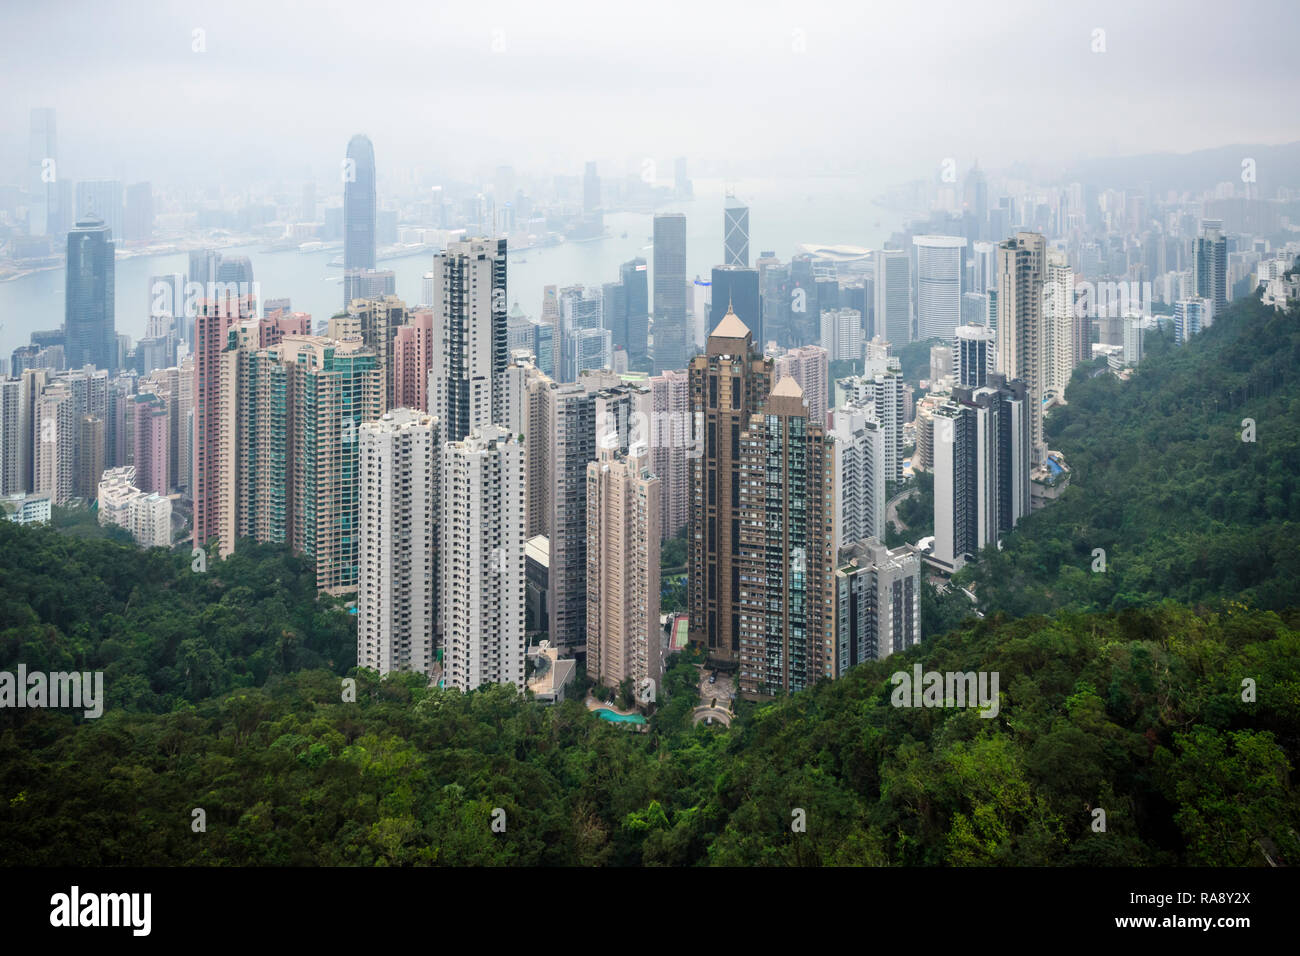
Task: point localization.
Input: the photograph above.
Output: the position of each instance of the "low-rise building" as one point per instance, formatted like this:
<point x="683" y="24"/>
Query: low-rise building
<point x="26" y="509"/>
<point x="552" y="674"/>
<point x="147" y="516"/>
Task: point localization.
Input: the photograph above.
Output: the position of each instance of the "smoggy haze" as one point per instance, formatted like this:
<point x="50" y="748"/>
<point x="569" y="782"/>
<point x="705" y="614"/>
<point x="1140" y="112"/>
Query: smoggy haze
<point x="744" y="89"/>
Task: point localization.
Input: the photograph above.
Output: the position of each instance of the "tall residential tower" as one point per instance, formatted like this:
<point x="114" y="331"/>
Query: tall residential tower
<point x="397" y="567"/>
<point x="470" y="343"/>
<point x="481" y="583"/>
<point x="729" y="385"/>
<point x="1022" y="342"/>
<point x="623" y="546"/>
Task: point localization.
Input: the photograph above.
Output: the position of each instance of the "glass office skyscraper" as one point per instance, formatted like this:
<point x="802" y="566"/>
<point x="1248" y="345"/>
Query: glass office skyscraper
<point x="88" y="302"/>
<point x="359" y="212"/>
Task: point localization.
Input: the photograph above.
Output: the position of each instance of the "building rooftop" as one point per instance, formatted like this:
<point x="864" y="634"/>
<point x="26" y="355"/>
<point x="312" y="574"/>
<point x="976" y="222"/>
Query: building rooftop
<point x="552" y="673"/>
<point x="836" y="253"/>
<point x="538" y="549"/>
<point x="787" y="388"/>
<point x="731" y="327"/>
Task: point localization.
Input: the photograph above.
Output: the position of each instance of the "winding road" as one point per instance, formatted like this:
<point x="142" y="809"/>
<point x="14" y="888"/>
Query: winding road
<point x="891" y="507"/>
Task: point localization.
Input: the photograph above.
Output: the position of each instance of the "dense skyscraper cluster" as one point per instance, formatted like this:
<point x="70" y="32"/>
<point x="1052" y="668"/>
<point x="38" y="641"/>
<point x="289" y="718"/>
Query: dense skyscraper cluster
<point x="485" y="479"/>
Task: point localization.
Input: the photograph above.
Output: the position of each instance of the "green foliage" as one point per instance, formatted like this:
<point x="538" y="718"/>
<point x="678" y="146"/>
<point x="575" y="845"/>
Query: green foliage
<point x="673" y="598"/>
<point x="1163" y="483"/>
<point x="679" y="694"/>
<point x="673" y="553"/>
<point x="1138" y="713"/>
<point x="915" y="513"/>
<point x="914" y="359"/>
<point x="942" y="612"/>
<point x="83" y="522"/>
<point x="163" y="634"/>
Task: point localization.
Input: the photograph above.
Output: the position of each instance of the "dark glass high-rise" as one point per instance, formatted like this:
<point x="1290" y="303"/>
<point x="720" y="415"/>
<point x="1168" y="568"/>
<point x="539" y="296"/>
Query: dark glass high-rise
<point x="88" y="300"/>
<point x="359" y="212"/>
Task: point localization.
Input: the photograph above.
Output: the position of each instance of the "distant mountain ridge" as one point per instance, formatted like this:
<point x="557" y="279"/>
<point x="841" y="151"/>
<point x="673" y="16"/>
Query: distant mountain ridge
<point x="1274" y="166"/>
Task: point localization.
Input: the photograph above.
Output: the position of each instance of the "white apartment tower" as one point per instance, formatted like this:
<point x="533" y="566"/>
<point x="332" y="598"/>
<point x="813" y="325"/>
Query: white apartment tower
<point x="54" y="443"/>
<point x="1021" y="340"/>
<point x="147" y="516"/>
<point x="858" y="457"/>
<point x="1059" y="332"/>
<point x="887" y="394"/>
<point x="397" y="565"/>
<point x="15" y="435"/>
<point x="481" y="591"/>
<point x="884" y="392"/>
<point x="470" y="336"/>
<point x="984" y="261"/>
<point x="877" y="602"/>
<point x="842" y="335"/>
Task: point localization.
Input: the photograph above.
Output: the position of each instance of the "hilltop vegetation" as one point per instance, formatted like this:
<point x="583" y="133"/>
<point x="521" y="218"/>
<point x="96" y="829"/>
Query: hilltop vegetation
<point x="1164" y="484"/>
<point x="162" y="633"/>
<point x="1139" y="714"/>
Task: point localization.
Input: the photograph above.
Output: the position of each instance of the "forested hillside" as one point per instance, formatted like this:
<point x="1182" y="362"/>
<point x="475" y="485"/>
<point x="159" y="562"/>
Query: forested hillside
<point x="161" y="632"/>
<point x="1179" y="721"/>
<point x="1140" y="715"/>
<point x="1164" y="484"/>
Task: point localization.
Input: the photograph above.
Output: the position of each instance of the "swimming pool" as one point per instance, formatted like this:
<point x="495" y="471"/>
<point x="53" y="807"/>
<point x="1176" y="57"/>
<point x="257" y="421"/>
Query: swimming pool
<point x="605" y="713"/>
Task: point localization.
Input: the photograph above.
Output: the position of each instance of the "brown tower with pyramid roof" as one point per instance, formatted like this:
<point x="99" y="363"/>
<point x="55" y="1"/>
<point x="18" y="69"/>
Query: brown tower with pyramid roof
<point x="728" y="384"/>
<point x="761" y="568"/>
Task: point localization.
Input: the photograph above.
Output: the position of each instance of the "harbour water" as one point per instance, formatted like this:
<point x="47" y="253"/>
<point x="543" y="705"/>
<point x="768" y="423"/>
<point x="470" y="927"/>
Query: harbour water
<point x="783" y="214"/>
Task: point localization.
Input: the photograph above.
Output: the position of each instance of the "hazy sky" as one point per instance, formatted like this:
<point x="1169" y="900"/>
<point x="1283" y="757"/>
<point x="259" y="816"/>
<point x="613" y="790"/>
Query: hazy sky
<point x="755" y="88"/>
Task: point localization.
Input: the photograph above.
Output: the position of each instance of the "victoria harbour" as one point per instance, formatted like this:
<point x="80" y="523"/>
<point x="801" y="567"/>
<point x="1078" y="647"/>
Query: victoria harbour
<point x="826" y="210"/>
